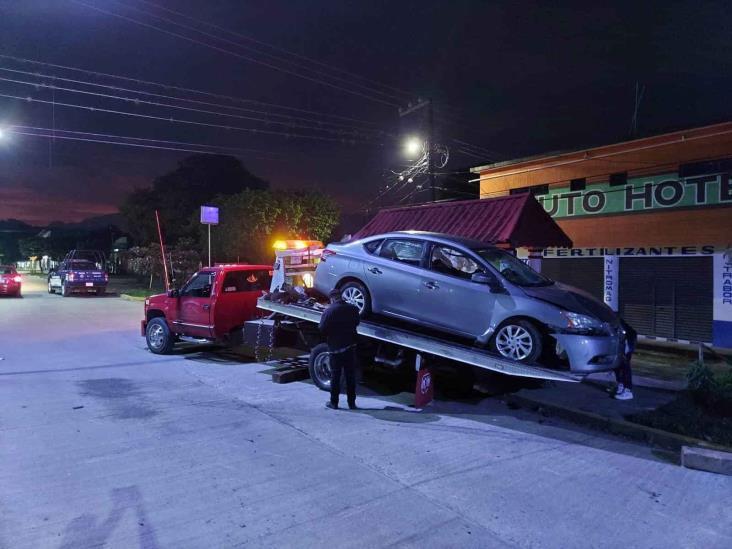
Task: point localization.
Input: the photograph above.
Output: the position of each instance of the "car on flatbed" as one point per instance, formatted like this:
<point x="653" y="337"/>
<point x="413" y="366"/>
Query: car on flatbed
<point x="10" y="281"/>
<point x="473" y="290"/>
<point x="212" y="306"/>
<point x="81" y="271"/>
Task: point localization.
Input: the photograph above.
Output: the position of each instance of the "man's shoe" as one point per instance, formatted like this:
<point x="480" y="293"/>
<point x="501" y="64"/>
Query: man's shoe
<point x="352" y="406"/>
<point x="330" y="405"/>
<point x="616" y="389"/>
<point x="625" y="394"/>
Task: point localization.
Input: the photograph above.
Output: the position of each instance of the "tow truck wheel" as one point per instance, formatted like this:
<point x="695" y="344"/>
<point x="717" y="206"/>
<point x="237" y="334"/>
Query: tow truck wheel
<point x="517" y="340"/>
<point x="65" y="292"/>
<point x="100" y="291"/>
<point x="159" y="339"/>
<point x="319" y="366"/>
<point x="355" y="293"/>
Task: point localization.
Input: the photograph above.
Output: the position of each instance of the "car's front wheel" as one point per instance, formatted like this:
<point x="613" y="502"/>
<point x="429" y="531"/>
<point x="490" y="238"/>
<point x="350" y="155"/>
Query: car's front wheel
<point x="518" y="340"/>
<point x="50" y="287"/>
<point x="159" y="339"/>
<point x="356" y="294"/>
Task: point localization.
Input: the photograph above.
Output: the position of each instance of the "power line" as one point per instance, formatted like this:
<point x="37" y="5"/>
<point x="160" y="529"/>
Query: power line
<point x="109" y="142"/>
<point x="147" y="140"/>
<point x="235" y="54"/>
<point x="186" y="100"/>
<point x="276" y="48"/>
<point x="169" y="106"/>
<point x="276" y="58"/>
<point x="177" y="120"/>
<point x="182" y="89"/>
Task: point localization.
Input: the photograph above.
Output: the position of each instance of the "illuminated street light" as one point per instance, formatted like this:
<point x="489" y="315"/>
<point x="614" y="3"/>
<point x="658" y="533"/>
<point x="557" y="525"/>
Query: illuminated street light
<point x="413" y="146"/>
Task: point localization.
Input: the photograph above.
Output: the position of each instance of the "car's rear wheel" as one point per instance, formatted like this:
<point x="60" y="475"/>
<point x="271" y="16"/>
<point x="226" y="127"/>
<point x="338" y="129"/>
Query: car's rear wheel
<point x="65" y="290"/>
<point x="158" y="337"/>
<point x="356" y="294"/>
<point x="50" y="287"/>
<point x="518" y="340"/>
<point x="100" y="291"/>
<point x="319" y="366"/>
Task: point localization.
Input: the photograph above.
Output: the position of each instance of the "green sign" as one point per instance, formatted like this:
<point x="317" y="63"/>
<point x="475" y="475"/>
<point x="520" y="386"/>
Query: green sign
<point x="639" y="194"/>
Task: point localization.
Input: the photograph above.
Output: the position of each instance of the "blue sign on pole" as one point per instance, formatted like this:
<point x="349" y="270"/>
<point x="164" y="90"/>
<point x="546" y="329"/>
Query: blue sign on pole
<point x="209" y="215"/>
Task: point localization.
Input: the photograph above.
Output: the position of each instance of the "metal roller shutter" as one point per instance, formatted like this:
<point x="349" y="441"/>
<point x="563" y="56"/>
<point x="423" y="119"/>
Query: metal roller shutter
<point x="668" y="297"/>
<point x="583" y="273"/>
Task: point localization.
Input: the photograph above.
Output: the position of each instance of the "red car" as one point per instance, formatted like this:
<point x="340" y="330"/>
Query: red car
<point x="10" y="281"/>
<point x="211" y="306"/>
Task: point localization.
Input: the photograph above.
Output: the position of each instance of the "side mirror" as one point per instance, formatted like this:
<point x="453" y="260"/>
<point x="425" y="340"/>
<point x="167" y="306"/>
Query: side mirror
<point x="173" y="293"/>
<point x="489" y="280"/>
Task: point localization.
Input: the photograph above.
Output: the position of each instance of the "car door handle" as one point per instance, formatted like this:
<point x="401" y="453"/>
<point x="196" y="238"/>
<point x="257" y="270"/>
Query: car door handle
<point x="206" y="307"/>
<point x="374" y="270"/>
<point x="432" y="285"/>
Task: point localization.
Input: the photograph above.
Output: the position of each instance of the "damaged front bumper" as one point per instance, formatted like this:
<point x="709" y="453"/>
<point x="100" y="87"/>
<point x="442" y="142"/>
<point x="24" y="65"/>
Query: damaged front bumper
<point x="588" y="354"/>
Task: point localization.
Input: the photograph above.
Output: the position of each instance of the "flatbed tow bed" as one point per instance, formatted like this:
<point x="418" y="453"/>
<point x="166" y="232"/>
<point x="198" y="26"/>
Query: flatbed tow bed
<point x="427" y="345"/>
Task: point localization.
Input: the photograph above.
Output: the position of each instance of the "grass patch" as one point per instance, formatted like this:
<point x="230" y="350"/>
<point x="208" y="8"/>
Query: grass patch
<point x="704" y="411"/>
<point x="139" y="292"/>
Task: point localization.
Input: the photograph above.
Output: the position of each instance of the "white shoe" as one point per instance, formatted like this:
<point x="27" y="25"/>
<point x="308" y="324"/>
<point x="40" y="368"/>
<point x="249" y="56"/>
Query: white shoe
<point x="619" y="388"/>
<point x="625" y="394"/>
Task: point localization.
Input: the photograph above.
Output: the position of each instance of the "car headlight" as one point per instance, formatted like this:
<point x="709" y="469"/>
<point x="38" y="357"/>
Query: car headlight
<point x="581" y="323"/>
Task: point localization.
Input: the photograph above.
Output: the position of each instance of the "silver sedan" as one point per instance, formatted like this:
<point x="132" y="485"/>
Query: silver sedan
<point x="474" y="290"/>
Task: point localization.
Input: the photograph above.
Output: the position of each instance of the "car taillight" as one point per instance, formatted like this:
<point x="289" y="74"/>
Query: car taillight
<point x="106" y="276"/>
<point x="71" y="276"/>
<point x="17" y="279"/>
<point x="326" y="254"/>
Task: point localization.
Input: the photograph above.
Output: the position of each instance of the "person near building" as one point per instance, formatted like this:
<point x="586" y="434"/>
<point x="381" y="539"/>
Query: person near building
<point x="338" y="324"/>
<point x="623" y="374"/>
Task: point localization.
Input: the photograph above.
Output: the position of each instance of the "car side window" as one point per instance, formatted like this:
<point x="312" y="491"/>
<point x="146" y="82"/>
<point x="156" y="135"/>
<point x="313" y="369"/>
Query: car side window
<point x="405" y="251"/>
<point x="199" y="286"/>
<point x="372" y="246"/>
<point x="246" y="281"/>
<point x="450" y="261"/>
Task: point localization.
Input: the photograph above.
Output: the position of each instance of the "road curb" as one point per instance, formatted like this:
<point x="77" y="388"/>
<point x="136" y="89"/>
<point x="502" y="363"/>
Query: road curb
<point x="635" y="431"/>
<point x="705" y="459"/>
<point x="128" y="297"/>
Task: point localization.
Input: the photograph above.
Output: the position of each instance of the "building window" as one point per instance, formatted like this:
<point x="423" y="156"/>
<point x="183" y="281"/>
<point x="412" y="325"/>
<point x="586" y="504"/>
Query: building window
<point x="617" y="179"/>
<point x="578" y="184"/>
<point x="708" y="167"/>
<point x="536" y="190"/>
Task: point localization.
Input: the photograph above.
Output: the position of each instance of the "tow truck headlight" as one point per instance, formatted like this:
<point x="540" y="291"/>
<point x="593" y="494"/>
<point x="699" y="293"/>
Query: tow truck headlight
<point x="581" y="323"/>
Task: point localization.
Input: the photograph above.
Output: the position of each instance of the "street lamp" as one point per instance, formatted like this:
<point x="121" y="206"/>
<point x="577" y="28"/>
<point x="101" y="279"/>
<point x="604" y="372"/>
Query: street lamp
<point x="413" y="146"/>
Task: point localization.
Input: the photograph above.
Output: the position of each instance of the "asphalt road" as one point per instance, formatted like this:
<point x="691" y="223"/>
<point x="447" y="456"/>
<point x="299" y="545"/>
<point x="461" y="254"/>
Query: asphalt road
<point x="105" y="444"/>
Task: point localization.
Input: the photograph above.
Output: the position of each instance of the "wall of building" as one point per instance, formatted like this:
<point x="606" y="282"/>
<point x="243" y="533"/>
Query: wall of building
<point x="661" y="243"/>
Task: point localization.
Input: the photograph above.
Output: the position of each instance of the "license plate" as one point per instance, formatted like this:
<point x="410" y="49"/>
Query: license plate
<point x="89" y="284"/>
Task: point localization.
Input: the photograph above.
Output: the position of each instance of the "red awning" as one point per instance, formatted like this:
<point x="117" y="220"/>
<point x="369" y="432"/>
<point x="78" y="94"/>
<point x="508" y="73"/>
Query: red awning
<point x="516" y="220"/>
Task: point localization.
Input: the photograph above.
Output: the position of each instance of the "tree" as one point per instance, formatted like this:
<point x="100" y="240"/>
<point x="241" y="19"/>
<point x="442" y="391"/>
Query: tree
<point x="251" y="220"/>
<point x="178" y="195"/>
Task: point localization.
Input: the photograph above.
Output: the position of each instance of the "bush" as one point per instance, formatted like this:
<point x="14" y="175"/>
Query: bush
<point x="711" y="392"/>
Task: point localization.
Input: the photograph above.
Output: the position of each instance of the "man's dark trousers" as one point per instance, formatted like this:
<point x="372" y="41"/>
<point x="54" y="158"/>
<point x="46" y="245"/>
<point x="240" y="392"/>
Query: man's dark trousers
<point x="343" y="362"/>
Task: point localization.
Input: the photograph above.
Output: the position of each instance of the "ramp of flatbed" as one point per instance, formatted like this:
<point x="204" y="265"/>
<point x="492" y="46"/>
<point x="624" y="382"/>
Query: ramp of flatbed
<point x="427" y="344"/>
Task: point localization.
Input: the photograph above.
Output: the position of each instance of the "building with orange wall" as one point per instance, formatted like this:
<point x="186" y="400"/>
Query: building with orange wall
<point x="651" y="226"/>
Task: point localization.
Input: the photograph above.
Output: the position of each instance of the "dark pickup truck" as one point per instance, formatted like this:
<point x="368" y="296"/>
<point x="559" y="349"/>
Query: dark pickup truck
<point x="81" y="271"/>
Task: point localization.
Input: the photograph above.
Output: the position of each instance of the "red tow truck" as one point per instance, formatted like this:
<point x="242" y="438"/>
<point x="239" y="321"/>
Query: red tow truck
<point x="211" y="307"/>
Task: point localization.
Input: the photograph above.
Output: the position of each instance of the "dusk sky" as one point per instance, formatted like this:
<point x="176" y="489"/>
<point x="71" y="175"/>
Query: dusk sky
<point x="507" y="79"/>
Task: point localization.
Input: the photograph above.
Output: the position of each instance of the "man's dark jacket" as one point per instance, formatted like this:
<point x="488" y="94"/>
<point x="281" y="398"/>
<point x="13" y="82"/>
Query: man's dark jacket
<point x="338" y="325"/>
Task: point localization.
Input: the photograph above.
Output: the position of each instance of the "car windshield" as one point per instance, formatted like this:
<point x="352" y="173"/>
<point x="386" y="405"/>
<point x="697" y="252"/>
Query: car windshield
<point x="513" y="269"/>
<point x="6" y="270"/>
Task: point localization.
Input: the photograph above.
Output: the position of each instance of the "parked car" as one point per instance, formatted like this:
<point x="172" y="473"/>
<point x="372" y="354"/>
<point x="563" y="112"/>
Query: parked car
<point x="474" y="290"/>
<point x="81" y="271"/>
<point x="10" y="281"/>
<point x="211" y="306"/>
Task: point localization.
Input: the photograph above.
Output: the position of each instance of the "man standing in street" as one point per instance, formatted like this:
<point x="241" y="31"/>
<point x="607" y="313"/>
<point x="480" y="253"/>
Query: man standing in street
<point x="338" y="325"/>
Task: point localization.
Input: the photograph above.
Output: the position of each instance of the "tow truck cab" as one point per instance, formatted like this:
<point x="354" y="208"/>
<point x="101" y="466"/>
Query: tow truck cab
<point x="210" y="306"/>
